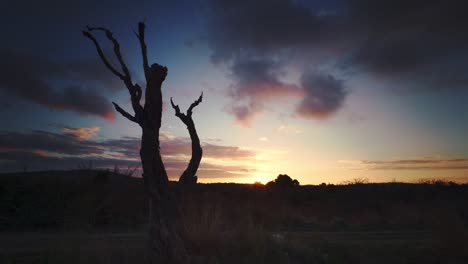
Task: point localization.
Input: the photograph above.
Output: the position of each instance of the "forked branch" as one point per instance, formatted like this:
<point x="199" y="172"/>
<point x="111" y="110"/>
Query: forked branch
<point x="117" y="52"/>
<point x="188" y="177"/>
<point x="134" y="89"/>
<point x="188" y="116"/>
<point x="102" y="56"/>
<point x="197" y="102"/>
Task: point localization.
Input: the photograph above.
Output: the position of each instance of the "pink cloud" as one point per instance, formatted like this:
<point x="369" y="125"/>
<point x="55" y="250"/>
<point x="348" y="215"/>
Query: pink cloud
<point x="82" y="133"/>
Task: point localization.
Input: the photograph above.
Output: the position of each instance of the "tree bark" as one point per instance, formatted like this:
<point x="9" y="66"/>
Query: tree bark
<point x="166" y="245"/>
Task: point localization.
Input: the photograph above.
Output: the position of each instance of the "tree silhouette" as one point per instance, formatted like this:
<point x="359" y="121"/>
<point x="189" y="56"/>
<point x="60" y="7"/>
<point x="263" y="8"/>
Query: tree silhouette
<point x="283" y="181"/>
<point x="188" y="177"/>
<point x="165" y="242"/>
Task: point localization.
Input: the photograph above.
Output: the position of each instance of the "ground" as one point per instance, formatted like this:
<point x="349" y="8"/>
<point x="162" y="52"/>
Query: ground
<point x="99" y="217"/>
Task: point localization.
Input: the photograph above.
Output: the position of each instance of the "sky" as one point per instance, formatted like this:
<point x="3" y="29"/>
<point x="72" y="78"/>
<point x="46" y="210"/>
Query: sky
<point x="324" y="91"/>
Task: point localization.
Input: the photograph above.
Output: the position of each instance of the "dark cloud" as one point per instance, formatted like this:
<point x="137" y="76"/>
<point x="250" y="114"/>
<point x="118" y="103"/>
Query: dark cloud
<point x="416" y="44"/>
<point x="324" y="95"/>
<point x="259" y="78"/>
<point x="91" y="71"/>
<point x="74" y="86"/>
<point x="182" y="146"/>
<point x="258" y="41"/>
<point x="256" y="81"/>
<point x="226" y="152"/>
<point x="82" y="133"/>
<point x="125" y="147"/>
<point x="47" y="142"/>
<point x="414" y="161"/>
<point x="413" y="46"/>
<point x="412" y="164"/>
<point x="244" y="113"/>
<point x="177" y="147"/>
<point x="265" y="27"/>
<point x="39" y="150"/>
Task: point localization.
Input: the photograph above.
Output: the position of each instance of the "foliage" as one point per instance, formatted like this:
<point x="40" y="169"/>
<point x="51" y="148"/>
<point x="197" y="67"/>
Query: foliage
<point x="283" y="181"/>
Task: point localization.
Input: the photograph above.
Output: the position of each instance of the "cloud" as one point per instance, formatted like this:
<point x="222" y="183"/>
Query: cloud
<point x="82" y="133"/>
<point x="259" y="78"/>
<point x="39" y="150"/>
<point x="416" y="46"/>
<point x="226" y="152"/>
<point x="324" y="95"/>
<point x="409" y="164"/>
<point x="287" y="129"/>
<point x="65" y="144"/>
<point x="17" y="160"/>
<point x="177" y="147"/>
<point x="256" y="82"/>
<point x="244" y="113"/>
<point x="264" y="27"/>
<point x="75" y="85"/>
<point x="182" y="146"/>
<point x="209" y="170"/>
<point x="258" y="44"/>
<point x="124" y="147"/>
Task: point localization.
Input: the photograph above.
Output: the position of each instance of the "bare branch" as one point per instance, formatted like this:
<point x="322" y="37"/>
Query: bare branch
<point x="134" y="90"/>
<point x="194" y="104"/>
<point x="117" y="52"/>
<point x="102" y="56"/>
<point x="186" y="118"/>
<point x="144" y="53"/>
<point x="177" y="111"/>
<point x="124" y="113"/>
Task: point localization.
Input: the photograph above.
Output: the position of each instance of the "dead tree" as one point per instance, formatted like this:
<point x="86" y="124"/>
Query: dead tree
<point x="188" y="177"/>
<point x="165" y="242"/>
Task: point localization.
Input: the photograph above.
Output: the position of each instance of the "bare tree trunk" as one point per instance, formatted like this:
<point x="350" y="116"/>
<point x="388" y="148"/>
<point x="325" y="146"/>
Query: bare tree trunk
<point x="165" y="242"/>
<point x="166" y="245"/>
<point x="189" y="177"/>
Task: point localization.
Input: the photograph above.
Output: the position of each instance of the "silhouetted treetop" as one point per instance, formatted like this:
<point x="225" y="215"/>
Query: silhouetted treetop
<point x="283" y="180"/>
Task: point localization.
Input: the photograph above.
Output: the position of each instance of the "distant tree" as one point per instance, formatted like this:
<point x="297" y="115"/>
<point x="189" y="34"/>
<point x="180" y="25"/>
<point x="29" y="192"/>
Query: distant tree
<point x="283" y="181"/>
<point x="257" y="183"/>
<point x="356" y="181"/>
<point x="165" y="241"/>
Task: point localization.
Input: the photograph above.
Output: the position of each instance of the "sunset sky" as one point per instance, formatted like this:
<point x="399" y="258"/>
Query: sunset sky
<point x="324" y="91"/>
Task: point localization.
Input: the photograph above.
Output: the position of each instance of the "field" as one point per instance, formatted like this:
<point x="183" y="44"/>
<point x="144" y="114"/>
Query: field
<point x="99" y="217"/>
